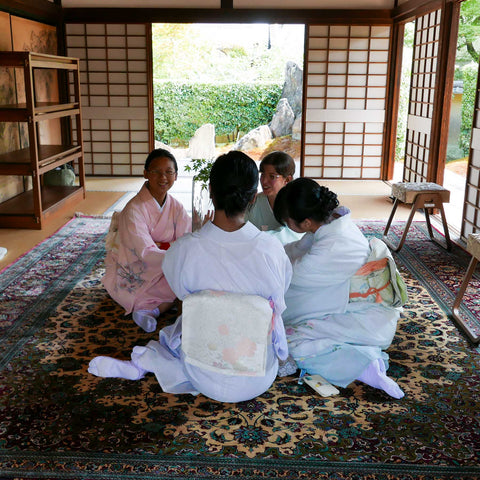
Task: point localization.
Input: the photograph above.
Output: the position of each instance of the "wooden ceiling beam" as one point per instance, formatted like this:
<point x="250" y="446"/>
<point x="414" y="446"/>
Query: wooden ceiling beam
<point x="227" y="15"/>
<point x="38" y="10"/>
<point x="416" y="8"/>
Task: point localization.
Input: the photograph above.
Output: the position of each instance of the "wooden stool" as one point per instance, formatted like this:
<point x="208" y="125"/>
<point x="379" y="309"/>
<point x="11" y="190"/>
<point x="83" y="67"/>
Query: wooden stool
<point x="421" y="195"/>
<point x="473" y="247"/>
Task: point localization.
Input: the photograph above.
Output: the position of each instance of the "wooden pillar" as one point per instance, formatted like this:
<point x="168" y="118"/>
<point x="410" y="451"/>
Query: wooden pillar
<point x="393" y="100"/>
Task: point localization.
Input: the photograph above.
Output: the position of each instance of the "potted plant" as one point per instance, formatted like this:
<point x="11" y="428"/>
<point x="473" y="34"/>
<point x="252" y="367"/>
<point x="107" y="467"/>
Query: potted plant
<point x="201" y="202"/>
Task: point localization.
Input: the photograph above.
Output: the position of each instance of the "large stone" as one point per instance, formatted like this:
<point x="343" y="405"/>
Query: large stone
<point x="202" y="144"/>
<point x="256" y="138"/>
<point x="293" y="87"/>
<point x="297" y="128"/>
<point x="283" y="119"/>
<point x="166" y="147"/>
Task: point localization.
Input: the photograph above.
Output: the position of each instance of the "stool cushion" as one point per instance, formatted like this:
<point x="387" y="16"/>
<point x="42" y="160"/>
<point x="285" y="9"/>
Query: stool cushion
<point x="407" y="191"/>
<point x="473" y="244"/>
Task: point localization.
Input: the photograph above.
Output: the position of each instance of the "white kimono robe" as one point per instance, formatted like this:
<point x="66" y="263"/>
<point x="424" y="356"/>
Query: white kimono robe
<point x="261" y="215"/>
<point x="245" y="261"/>
<point x="326" y="334"/>
<point x="133" y="275"/>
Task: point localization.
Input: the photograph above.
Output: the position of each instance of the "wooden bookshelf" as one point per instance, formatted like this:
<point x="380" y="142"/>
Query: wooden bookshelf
<point x="32" y="208"/>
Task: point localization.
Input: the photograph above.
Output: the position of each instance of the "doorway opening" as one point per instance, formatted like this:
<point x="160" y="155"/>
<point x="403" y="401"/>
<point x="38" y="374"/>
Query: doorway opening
<point x="406" y="77"/>
<point x="462" y="108"/>
<point x="230" y="75"/>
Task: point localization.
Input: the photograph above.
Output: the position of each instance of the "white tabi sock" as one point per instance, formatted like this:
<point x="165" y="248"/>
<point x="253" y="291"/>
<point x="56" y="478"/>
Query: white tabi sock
<point x="375" y="376"/>
<point x="146" y="319"/>
<point x="111" y="367"/>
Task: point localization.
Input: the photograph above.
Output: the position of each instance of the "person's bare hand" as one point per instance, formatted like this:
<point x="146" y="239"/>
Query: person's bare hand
<point x="208" y="217"/>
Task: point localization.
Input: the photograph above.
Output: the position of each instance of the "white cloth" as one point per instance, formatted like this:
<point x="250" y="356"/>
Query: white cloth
<point x="226" y="332"/>
<point x="245" y="261"/>
<point x="323" y="263"/>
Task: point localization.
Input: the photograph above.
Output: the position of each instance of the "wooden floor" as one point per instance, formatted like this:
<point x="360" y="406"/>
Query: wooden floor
<point x="366" y="199"/>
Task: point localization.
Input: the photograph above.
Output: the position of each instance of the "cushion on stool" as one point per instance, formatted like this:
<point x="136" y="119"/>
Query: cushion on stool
<point x="407" y="191"/>
<point x="473" y="244"/>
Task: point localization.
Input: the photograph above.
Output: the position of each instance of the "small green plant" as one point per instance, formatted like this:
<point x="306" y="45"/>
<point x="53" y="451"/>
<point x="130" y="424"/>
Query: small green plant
<point x="201" y="168"/>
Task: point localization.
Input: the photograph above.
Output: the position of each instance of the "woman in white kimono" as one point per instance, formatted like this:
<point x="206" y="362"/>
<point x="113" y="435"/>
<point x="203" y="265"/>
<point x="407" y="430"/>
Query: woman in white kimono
<point x="326" y="334"/>
<point x="142" y="233"/>
<point x="227" y="254"/>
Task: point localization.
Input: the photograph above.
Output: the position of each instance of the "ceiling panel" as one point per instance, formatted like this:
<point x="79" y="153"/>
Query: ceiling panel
<point x="316" y="4"/>
<point x="141" y="3"/>
<point x="240" y="4"/>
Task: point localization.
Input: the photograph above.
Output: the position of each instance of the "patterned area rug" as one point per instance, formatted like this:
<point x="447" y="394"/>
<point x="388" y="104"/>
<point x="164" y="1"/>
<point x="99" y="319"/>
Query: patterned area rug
<point x="57" y="421"/>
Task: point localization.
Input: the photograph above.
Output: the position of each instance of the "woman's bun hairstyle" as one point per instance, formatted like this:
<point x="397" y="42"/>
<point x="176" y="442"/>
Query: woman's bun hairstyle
<point x="304" y="198"/>
<point x="233" y="182"/>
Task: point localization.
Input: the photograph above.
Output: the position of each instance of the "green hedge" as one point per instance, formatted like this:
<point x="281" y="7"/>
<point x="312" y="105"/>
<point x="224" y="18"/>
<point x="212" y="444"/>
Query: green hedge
<point x="468" y="106"/>
<point x="182" y="108"/>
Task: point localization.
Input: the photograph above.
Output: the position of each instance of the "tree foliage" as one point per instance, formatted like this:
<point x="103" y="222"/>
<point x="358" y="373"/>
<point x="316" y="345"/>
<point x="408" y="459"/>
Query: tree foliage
<point x="468" y="102"/>
<point x="467" y="60"/>
<point x="200" y="53"/>
<point x="468" y="45"/>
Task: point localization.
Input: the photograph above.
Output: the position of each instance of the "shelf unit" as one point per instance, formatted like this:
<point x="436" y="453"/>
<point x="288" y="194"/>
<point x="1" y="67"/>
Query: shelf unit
<point x="33" y="208"/>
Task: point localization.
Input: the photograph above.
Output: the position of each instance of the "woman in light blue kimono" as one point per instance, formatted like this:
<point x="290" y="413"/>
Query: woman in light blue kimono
<point x="276" y="170"/>
<point x="230" y="255"/>
<point x="327" y="334"/>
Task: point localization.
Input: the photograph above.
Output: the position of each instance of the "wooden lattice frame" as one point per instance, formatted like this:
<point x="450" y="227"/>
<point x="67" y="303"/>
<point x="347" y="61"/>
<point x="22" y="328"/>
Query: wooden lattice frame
<point x="116" y="94"/>
<point x="471" y="211"/>
<point x="422" y="96"/>
<point x="346" y="89"/>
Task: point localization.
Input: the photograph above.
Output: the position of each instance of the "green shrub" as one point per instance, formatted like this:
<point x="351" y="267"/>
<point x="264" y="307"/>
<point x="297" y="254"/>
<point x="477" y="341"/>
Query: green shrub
<point x="182" y="108"/>
<point x="468" y="106"/>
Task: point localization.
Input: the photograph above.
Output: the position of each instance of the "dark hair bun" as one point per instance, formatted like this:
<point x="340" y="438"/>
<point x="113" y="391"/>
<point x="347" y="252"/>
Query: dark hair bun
<point x="233" y="182"/>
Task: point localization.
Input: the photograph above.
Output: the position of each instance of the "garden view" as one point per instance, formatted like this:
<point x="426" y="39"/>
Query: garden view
<point x="233" y="75"/>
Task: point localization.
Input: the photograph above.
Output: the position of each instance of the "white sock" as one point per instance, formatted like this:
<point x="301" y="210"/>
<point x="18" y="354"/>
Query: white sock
<point x="375" y="376"/>
<point x="146" y="319"/>
<point x="111" y="367"/>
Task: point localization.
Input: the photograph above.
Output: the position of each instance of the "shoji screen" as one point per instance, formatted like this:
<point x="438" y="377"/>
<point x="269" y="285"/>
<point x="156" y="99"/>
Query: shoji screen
<point x="346" y="90"/>
<point x="115" y="78"/>
<point x="422" y="93"/>
<point x="471" y="213"/>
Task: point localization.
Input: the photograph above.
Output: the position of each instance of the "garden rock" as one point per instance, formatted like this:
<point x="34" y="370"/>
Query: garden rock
<point x="297" y="128"/>
<point x="166" y="147"/>
<point x="283" y="119"/>
<point x="293" y="87"/>
<point x="256" y="138"/>
<point x="202" y="144"/>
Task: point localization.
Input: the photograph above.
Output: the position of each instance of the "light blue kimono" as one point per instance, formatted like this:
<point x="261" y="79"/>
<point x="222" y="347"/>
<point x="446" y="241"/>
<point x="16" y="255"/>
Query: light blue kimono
<point x="326" y="334"/>
<point x="261" y="215"/>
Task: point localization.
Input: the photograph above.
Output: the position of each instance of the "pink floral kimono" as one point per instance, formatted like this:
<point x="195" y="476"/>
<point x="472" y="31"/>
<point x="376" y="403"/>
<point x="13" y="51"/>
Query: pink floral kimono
<point x="136" y="244"/>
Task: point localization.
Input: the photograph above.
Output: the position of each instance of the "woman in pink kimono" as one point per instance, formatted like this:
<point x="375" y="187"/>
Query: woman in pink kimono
<point x="143" y="232"/>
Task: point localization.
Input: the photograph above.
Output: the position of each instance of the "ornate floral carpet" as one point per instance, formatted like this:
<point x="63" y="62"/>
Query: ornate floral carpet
<point x="58" y="421"/>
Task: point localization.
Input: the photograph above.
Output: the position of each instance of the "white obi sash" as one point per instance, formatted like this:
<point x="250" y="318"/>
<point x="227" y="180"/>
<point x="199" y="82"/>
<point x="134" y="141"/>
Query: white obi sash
<point x="228" y="333"/>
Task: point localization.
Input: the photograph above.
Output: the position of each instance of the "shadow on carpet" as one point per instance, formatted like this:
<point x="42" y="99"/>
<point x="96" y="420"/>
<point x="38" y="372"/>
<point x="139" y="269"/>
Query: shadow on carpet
<point x="58" y="421"/>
